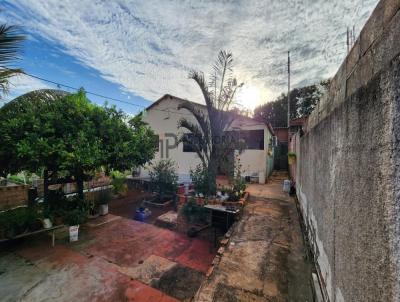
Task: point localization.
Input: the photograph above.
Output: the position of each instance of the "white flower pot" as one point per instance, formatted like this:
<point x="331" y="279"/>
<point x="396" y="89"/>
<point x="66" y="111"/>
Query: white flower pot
<point x="73" y="233"/>
<point x="103" y="209"/>
<point x="47" y="223"/>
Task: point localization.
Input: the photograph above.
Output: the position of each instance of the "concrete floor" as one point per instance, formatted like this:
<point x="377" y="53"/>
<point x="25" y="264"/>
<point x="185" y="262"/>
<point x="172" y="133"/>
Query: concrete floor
<point x="121" y="260"/>
<point x="265" y="258"/>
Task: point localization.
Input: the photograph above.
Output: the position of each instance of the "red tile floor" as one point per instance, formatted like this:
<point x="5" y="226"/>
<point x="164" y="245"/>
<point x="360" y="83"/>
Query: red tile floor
<point x="121" y="260"/>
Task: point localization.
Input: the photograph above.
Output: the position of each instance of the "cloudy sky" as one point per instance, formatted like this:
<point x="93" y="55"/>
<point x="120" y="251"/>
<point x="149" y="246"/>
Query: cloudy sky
<point x="136" y="51"/>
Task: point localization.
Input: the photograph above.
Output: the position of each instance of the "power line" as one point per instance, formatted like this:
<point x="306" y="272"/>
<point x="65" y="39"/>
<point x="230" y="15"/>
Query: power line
<point x="96" y="94"/>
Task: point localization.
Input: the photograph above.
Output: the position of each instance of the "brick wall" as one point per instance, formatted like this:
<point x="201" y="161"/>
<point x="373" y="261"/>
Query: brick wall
<point x="13" y="196"/>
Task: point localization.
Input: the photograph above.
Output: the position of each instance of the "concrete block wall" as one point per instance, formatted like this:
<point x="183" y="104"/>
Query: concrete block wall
<point x="348" y="168"/>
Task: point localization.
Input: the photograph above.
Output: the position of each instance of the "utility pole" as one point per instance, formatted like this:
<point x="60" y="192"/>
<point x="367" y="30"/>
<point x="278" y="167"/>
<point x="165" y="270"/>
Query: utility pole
<point x="288" y="98"/>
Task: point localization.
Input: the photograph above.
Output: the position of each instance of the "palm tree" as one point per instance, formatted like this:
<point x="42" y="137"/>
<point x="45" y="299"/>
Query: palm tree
<point x="208" y="139"/>
<point x="10" y="43"/>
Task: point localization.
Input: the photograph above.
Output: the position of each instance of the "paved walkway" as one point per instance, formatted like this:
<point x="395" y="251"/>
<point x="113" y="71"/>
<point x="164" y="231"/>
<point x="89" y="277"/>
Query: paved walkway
<point x="264" y="260"/>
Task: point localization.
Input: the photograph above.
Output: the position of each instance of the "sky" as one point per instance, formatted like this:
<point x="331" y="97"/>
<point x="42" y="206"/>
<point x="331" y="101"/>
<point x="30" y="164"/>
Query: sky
<point x="137" y="51"/>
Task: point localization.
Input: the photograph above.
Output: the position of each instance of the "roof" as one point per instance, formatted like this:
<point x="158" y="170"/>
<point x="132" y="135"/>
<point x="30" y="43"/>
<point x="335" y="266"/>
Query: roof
<point x="169" y="96"/>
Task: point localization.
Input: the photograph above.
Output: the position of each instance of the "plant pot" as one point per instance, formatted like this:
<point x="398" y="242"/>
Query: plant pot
<point x="291" y="160"/>
<point x="103" y="209"/>
<point x="47" y="223"/>
<point x="73" y="233"/>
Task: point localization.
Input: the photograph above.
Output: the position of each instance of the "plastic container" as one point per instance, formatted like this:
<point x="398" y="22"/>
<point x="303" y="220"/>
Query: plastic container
<point x="286" y="185"/>
<point x="73" y="233"/>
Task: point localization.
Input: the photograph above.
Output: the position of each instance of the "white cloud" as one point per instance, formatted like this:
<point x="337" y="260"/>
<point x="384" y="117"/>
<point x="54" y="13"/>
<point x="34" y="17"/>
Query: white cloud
<point x="148" y="46"/>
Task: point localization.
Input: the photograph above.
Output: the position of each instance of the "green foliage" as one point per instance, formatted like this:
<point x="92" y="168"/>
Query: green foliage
<point x="10" y="43"/>
<point x="163" y="177"/>
<point x="18" y="221"/>
<point x="118" y="182"/>
<point x="219" y="92"/>
<point x="292" y="155"/>
<point x="104" y="196"/>
<point x="201" y="180"/>
<point x="75" y="217"/>
<point x="67" y="135"/>
<point x="302" y="102"/>
<point x="194" y="213"/>
<point x="237" y="181"/>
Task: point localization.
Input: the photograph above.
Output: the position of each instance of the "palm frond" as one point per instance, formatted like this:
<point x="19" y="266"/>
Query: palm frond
<point x="198" y="77"/>
<point x="5" y="74"/>
<point x="201" y="119"/>
<point x="10" y="43"/>
<point x="199" y="143"/>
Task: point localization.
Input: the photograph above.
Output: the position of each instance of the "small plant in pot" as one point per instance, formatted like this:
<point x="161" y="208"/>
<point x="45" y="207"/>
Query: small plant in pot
<point x="291" y="158"/>
<point x="74" y="218"/>
<point x="103" y="200"/>
<point x="164" y="180"/>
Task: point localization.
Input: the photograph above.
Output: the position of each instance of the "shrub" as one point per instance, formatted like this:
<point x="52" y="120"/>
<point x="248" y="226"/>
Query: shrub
<point x="201" y="180"/>
<point x="74" y="217"/>
<point x="164" y="179"/>
<point x="194" y="213"/>
<point x="118" y="182"/>
<point x="18" y="221"/>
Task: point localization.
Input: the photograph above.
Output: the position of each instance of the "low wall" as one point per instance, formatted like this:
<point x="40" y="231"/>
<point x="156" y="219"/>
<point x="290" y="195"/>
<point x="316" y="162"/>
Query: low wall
<point x="348" y="168"/>
<point x="13" y="196"/>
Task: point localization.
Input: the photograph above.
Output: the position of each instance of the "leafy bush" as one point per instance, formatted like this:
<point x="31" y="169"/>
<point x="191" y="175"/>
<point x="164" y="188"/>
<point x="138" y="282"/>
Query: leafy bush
<point x="118" y="182"/>
<point x="104" y="196"/>
<point x="164" y="179"/>
<point x="238" y="183"/>
<point x="18" y="221"/>
<point x="75" y="217"/>
<point x="201" y="180"/>
<point x="195" y="213"/>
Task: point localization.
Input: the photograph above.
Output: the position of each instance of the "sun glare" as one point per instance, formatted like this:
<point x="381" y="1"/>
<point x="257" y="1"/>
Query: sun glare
<point x="249" y="97"/>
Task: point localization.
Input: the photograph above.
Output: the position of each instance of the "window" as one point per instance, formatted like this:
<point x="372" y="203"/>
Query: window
<point x="254" y="139"/>
<point x="188" y="139"/>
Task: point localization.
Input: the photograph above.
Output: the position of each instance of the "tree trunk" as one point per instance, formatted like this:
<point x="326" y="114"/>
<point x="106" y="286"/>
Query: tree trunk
<point x="46" y="186"/>
<point x="79" y="183"/>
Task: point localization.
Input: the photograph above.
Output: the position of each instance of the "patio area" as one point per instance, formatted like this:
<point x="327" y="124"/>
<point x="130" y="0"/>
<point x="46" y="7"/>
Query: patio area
<point x="116" y="259"/>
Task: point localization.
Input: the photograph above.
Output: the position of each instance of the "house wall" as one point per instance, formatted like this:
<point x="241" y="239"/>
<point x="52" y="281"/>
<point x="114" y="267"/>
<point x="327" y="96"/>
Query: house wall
<point x="164" y="124"/>
<point x="348" y="179"/>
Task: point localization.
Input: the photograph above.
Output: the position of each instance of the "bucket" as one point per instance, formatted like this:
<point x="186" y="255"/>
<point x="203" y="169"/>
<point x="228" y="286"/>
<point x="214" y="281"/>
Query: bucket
<point x="73" y="233"/>
<point x="261" y="177"/>
<point x="286" y="185"/>
<point x="103" y="209"/>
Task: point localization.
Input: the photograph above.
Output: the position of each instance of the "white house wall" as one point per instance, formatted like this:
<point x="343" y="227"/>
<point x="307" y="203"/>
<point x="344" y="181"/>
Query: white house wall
<point x="163" y="119"/>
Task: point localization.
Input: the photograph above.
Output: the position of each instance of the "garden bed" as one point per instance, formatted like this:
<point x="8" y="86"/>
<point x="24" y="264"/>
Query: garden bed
<point x="157" y="202"/>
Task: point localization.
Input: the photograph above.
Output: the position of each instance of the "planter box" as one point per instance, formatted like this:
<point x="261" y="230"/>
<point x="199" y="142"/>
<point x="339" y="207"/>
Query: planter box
<point x="154" y="202"/>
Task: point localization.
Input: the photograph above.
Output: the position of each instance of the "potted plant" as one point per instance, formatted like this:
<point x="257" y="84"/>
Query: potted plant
<point x="291" y="158"/>
<point x="164" y="181"/>
<point x="103" y="199"/>
<point x="73" y="219"/>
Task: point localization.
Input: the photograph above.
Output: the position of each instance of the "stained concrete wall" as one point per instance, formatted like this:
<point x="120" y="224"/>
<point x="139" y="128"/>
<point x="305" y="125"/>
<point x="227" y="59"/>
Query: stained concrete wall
<point x="348" y="168"/>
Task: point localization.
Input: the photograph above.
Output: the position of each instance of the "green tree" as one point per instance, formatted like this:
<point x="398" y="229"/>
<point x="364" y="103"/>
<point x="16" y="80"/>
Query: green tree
<point x="208" y="138"/>
<point x="10" y="43"/>
<point x="68" y="137"/>
<point x="302" y="102"/>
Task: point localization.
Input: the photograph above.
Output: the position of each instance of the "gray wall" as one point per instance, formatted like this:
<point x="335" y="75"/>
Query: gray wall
<point x="348" y="179"/>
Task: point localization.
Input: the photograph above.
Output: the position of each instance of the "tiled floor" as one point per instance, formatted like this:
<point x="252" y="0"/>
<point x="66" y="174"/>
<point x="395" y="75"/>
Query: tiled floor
<point x="122" y="260"/>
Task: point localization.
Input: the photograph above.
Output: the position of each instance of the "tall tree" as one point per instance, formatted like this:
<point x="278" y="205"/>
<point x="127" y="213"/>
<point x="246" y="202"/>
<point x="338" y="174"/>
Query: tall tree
<point x="302" y="101"/>
<point x="68" y="137"/>
<point x="10" y="43"/>
<point x="208" y="139"/>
